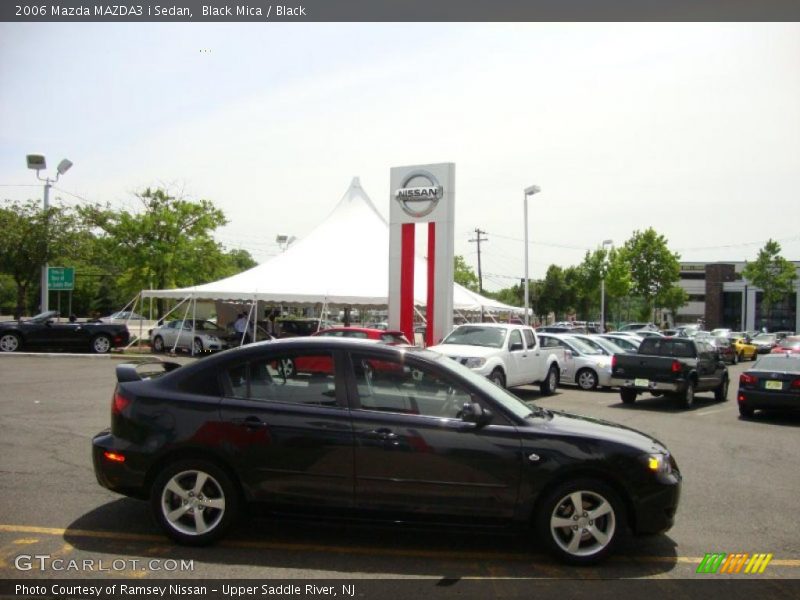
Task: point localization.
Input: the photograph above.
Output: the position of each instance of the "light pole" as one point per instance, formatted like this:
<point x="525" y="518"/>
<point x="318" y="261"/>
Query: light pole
<point x="284" y="241"/>
<point x="603" y="290"/>
<point x="37" y="163"/>
<point x="529" y="191"/>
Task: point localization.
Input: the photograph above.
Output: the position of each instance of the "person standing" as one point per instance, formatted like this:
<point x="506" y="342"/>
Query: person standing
<point x="240" y="327"/>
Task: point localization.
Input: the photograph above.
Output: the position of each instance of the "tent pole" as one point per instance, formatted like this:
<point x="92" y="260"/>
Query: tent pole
<point x="185" y="314"/>
<point x="194" y="318"/>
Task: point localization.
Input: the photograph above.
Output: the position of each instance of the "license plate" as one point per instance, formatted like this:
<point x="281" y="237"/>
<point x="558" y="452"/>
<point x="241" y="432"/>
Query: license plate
<point x="774" y="385"/>
<point x="641" y="382"/>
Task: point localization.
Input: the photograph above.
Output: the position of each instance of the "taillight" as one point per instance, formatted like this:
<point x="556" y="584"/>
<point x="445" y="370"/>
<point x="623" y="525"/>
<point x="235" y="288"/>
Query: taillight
<point x="114" y="456"/>
<point x="613" y="361"/>
<point x="796" y="384"/>
<point x="747" y="379"/>
<point x="119" y="403"/>
<point x="677" y="367"/>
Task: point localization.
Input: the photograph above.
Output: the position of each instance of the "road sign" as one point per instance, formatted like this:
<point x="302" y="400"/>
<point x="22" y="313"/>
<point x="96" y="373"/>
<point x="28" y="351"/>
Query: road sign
<point x="61" y="278"/>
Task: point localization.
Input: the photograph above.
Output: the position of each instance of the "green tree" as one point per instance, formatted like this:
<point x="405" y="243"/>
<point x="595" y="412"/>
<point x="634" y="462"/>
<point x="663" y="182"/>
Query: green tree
<point x="672" y="299"/>
<point x="653" y="267"/>
<point x="617" y="283"/>
<point x="32" y="237"/>
<point x="168" y="244"/>
<point x="772" y="273"/>
<point x="464" y="275"/>
<point x="553" y="292"/>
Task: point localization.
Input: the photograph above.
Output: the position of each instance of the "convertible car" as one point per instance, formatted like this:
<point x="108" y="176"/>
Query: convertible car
<point x="45" y="331"/>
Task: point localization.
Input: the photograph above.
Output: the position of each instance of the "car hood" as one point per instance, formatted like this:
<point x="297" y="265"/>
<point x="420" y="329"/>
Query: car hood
<point x="463" y="350"/>
<point x="575" y="425"/>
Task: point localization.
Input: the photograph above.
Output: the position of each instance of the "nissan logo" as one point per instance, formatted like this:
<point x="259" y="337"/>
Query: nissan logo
<point x="419" y="193"/>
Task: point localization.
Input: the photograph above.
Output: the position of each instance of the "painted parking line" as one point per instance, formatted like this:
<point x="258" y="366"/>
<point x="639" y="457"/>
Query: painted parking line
<point x="703" y="413"/>
<point x="363" y="550"/>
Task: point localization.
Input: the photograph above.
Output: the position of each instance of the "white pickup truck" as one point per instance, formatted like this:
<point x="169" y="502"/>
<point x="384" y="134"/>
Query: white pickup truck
<point x="509" y="355"/>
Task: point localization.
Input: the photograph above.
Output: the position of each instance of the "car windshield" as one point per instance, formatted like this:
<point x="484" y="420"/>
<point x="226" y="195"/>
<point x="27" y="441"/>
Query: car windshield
<point x="582" y="346"/>
<point x="777" y="362"/>
<point x="609" y="345"/>
<point x="41" y="317"/>
<point x="475" y="335"/>
<point x="500" y="395"/>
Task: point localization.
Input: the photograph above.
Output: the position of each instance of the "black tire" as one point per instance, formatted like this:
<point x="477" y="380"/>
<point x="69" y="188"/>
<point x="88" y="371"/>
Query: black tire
<point x="10" y="342"/>
<point x="158" y="344"/>
<point x="721" y="391"/>
<point x="203" y="511"/>
<point x="740" y="356"/>
<point x="101" y="344"/>
<point x="568" y="530"/>
<point x="735" y="359"/>
<point x="497" y="377"/>
<point x="550" y="383"/>
<point x="687" y="398"/>
<point x="197" y="346"/>
<point x="586" y="379"/>
<point x="746" y="412"/>
<point x="627" y="396"/>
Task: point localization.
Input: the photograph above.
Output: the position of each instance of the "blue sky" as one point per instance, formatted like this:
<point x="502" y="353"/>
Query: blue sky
<point x="693" y="129"/>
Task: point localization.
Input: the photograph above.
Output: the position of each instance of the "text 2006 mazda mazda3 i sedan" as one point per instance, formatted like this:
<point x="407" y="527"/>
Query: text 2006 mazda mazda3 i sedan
<point x="324" y="426"/>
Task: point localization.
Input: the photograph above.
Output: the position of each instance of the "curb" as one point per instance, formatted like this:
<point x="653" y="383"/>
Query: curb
<point x="73" y="355"/>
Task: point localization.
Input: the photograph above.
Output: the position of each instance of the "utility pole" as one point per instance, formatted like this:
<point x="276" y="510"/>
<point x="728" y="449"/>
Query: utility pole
<point x="478" y="239"/>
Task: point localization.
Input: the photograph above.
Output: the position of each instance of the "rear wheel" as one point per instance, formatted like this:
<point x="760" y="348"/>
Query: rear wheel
<point x="548" y="386"/>
<point x="746" y="412"/>
<point x="628" y="396"/>
<point x="721" y="391"/>
<point x="101" y="344"/>
<point x="9" y="342"/>
<point x="735" y="358"/>
<point x="587" y="379"/>
<point x="194" y="502"/>
<point x="581" y="521"/>
<point x="498" y="378"/>
<point x="687" y="398"/>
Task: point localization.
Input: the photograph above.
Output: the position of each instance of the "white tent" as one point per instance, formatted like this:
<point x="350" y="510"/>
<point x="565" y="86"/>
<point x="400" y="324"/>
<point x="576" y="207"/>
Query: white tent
<point x="343" y="262"/>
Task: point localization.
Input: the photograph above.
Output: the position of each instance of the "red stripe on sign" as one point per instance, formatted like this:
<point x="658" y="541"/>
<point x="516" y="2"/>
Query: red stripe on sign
<point x="429" y="314"/>
<point x="407" y="281"/>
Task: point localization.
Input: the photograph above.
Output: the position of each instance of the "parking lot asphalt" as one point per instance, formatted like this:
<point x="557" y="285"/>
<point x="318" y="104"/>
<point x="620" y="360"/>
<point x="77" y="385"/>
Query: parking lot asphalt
<point x="739" y="496"/>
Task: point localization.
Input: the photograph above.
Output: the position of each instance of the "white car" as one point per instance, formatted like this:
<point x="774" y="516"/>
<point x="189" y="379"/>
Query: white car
<point x="509" y="355"/>
<point x="584" y="364"/>
<point x="205" y="336"/>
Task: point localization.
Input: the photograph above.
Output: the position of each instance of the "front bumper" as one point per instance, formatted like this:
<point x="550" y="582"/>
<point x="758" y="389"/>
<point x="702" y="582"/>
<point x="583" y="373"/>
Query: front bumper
<point x="655" y="513"/>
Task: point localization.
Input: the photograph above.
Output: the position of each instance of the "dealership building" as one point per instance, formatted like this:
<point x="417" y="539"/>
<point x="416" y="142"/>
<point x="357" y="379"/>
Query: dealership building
<point x="719" y="296"/>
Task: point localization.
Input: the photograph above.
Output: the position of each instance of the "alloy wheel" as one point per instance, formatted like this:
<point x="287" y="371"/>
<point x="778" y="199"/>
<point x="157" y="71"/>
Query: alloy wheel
<point x="193" y="503"/>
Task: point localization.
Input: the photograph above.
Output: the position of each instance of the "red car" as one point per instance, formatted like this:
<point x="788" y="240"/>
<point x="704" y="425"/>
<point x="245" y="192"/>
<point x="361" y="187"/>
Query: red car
<point x="788" y="345"/>
<point x="323" y="364"/>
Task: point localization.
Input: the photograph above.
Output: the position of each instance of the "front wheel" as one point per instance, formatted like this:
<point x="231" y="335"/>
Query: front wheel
<point x="580" y="521"/>
<point x="9" y="342"/>
<point x="548" y="386"/>
<point x="194" y="502"/>
<point x="498" y="378"/>
<point x="735" y="358"/>
<point x="587" y="379"/>
<point x="197" y="346"/>
<point x="101" y="344"/>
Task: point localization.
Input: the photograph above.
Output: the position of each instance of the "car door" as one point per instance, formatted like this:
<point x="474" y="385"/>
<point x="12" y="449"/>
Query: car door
<point x="296" y="439"/>
<point x="518" y="359"/>
<point x="415" y="455"/>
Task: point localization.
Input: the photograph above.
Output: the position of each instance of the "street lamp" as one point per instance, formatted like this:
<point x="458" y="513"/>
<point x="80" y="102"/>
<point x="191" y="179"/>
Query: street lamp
<point x="37" y="162"/>
<point x="603" y="290"/>
<point x="529" y="191"/>
<point x="284" y="241"/>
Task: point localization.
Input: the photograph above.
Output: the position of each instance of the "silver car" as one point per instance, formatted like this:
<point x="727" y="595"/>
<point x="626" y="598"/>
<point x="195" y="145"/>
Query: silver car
<point x="204" y="336"/>
<point x="584" y="364"/>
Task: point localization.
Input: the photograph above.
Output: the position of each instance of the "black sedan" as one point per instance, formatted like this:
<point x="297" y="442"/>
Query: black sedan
<point x="773" y="382"/>
<point x="46" y="331"/>
<point x="322" y="425"/>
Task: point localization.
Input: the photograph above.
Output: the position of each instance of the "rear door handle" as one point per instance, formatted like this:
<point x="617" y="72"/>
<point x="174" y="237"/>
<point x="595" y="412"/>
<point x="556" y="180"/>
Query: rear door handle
<point x="251" y="422"/>
<point x="382" y="434"/>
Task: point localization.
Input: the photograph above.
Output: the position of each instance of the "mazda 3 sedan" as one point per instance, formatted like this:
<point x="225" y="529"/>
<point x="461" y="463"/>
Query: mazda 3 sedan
<point x="390" y="432"/>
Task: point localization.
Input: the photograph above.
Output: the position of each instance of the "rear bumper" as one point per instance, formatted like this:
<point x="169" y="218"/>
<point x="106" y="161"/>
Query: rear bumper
<point x="630" y="384"/>
<point x="126" y="477"/>
<point x="756" y="399"/>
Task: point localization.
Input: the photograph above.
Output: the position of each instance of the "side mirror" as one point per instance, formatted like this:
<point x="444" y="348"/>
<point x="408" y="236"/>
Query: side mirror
<point x="475" y="413"/>
<point x="568" y="353"/>
<point x="516" y="346"/>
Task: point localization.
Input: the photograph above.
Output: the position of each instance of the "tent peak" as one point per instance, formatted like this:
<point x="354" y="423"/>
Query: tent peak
<point x="356" y="182"/>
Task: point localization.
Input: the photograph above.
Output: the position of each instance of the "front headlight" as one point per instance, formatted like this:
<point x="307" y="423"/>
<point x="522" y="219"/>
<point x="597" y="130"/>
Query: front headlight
<point x="658" y="463"/>
<point x="475" y="363"/>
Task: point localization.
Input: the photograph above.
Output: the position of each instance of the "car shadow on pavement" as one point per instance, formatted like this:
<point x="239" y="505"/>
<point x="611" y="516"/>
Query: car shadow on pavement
<point x="124" y="528"/>
<point x="668" y="404"/>
<point x="785" y="418"/>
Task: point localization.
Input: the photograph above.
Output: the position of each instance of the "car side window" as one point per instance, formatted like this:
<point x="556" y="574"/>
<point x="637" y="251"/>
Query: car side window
<point x="530" y="338"/>
<point x="354" y="334"/>
<point x="515" y="337"/>
<point x="388" y="385"/>
<point x="295" y="379"/>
